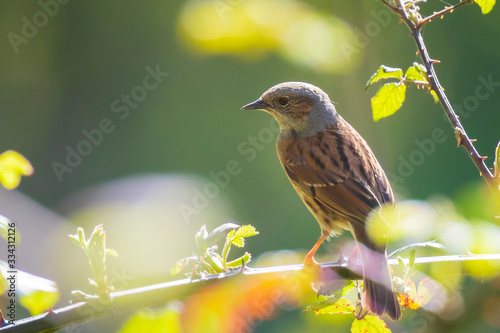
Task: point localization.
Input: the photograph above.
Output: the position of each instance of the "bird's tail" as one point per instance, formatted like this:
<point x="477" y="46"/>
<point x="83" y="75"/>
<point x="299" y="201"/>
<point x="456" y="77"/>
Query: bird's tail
<point x="380" y="296"/>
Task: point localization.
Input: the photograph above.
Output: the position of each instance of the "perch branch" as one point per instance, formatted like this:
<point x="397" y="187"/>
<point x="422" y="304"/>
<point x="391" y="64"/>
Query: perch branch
<point x="159" y="294"/>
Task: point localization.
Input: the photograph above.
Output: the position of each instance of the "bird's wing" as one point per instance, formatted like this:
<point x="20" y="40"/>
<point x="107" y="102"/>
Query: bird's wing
<point x="329" y="174"/>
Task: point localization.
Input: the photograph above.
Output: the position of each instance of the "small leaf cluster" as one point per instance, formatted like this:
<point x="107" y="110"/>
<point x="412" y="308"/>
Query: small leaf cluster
<point x="207" y="260"/>
<point x="390" y="97"/>
<point x="334" y="298"/>
<point x="336" y="302"/>
<point x="341" y="305"/>
<point x="96" y="251"/>
<point x="412" y="297"/>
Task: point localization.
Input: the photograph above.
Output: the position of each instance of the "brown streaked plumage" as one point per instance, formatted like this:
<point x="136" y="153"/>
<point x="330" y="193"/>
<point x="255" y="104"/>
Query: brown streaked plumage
<point x="336" y="175"/>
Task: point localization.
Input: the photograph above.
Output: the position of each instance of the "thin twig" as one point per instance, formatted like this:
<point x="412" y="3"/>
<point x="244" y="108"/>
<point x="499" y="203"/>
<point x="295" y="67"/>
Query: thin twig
<point x="390" y="6"/>
<point x="160" y="294"/>
<point x="464" y="141"/>
<point x="418" y="83"/>
<point x="446" y="10"/>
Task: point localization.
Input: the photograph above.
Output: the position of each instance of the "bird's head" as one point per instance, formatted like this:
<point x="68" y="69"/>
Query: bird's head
<point x="297" y="106"/>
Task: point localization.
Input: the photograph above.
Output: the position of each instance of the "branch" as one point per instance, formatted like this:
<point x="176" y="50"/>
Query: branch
<point x="446" y="10"/>
<point x="159" y="294"/>
<point x="462" y="137"/>
<point x="395" y="9"/>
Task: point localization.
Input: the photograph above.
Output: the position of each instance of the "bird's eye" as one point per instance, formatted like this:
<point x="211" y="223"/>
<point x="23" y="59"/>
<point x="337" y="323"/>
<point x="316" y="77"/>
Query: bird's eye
<point x="283" y="100"/>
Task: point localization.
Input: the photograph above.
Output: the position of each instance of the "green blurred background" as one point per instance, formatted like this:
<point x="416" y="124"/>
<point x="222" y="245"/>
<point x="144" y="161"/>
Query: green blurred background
<point x="62" y="78"/>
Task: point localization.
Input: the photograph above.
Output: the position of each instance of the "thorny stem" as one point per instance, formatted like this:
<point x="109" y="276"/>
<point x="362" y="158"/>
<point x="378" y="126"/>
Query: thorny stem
<point x="446" y="10"/>
<point x="462" y="137"/>
<point x="160" y="294"/>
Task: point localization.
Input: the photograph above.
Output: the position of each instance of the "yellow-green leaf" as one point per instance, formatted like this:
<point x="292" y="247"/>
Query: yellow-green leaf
<point x="4" y="285"/>
<point x="111" y="252"/>
<point x="39" y="301"/>
<point x="486" y="5"/>
<point x="237" y="237"/>
<point x="388" y="100"/>
<point x="335" y="287"/>
<point x="332" y="305"/>
<point x="246" y="231"/>
<point x="246" y="258"/>
<point x="434" y="95"/>
<point x="4" y="228"/>
<point x="12" y="166"/>
<point x="36" y="294"/>
<point x="369" y="324"/>
<point x="416" y="73"/>
<point x="384" y="72"/>
<point x="165" y="320"/>
<point x="75" y="240"/>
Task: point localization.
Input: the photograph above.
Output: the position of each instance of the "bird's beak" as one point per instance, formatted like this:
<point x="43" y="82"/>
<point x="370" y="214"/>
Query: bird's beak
<point x="257" y="105"/>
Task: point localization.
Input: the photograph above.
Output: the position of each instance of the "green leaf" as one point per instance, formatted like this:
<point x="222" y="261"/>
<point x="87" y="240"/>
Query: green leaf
<point x="4" y="285"/>
<point x="412" y="258"/>
<point x="388" y="100"/>
<point x="237" y="237"/>
<point x="76" y="240"/>
<point x="246" y="258"/>
<point x="12" y="166"/>
<point x="220" y="232"/>
<point x="4" y="227"/>
<point x="213" y="263"/>
<point x="39" y="301"/>
<point x="416" y="73"/>
<point x="201" y="236"/>
<point x="486" y="5"/>
<point x="81" y="238"/>
<point x="335" y="287"/>
<point x="384" y="72"/>
<point x="111" y="252"/>
<point x="246" y="231"/>
<point x="434" y="95"/>
<point x="331" y="306"/>
<point x="401" y="263"/>
<point x="369" y="324"/>
<point x="36" y="294"/>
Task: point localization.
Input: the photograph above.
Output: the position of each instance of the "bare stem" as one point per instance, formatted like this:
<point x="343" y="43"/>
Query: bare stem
<point x="446" y="10"/>
<point x="159" y="294"/>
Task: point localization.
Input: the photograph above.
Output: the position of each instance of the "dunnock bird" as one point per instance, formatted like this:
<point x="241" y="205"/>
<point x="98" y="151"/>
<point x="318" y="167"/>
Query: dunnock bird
<point x="336" y="175"/>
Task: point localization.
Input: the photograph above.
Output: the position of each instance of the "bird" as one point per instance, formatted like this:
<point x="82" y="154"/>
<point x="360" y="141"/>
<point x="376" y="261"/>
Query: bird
<point x="337" y="176"/>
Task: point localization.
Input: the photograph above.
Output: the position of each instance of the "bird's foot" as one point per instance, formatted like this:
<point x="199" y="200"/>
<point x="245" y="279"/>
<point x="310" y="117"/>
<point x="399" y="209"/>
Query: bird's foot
<point x="311" y="265"/>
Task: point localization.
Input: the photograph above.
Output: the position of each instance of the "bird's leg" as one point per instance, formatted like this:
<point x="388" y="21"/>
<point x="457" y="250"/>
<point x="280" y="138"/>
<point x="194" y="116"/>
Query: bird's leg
<point x="309" y="259"/>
